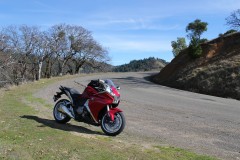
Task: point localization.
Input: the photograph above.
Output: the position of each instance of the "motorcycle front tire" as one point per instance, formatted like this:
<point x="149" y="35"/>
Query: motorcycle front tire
<point x="113" y="128"/>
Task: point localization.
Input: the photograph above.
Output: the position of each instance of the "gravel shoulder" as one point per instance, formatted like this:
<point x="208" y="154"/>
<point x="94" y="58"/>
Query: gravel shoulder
<point x="158" y="115"/>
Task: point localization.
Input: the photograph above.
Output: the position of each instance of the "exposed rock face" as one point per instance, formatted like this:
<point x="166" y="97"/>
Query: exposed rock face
<point x="216" y="72"/>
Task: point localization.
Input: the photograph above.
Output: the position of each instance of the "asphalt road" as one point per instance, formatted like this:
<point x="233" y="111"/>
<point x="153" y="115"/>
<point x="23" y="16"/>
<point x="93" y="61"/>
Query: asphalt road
<point x="160" y="115"/>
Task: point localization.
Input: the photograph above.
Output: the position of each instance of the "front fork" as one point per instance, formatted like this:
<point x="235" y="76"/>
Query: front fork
<point x="111" y="112"/>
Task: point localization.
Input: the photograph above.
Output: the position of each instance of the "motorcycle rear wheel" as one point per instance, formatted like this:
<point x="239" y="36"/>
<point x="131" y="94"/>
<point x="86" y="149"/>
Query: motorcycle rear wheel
<point x="113" y="128"/>
<point x="59" y="116"/>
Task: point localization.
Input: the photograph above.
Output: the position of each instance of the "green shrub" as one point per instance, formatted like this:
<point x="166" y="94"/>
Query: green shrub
<point x="195" y="49"/>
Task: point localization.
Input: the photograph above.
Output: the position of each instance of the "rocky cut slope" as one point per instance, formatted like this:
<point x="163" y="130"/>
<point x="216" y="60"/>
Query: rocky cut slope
<point x="216" y="72"/>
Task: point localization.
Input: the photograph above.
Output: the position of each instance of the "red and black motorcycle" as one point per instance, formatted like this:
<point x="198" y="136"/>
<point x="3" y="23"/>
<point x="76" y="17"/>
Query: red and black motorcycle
<point x="97" y="105"/>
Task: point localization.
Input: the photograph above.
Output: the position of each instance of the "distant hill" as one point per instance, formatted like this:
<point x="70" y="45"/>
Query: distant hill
<point x="146" y="64"/>
<point x="216" y="72"/>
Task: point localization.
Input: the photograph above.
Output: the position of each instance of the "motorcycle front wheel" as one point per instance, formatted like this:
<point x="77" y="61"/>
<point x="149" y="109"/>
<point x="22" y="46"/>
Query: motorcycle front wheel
<point x="113" y="128"/>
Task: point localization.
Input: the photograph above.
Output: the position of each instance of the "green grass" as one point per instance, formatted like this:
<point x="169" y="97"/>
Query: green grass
<point x="25" y="135"/>
<point x="169" y="153"/>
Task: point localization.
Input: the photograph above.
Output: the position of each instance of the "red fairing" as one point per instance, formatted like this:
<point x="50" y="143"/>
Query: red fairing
<point x="112" y="112"/>
<point x="88" y="92"/>
<point x="98" y="102"/>
<point x="115" y="91"/>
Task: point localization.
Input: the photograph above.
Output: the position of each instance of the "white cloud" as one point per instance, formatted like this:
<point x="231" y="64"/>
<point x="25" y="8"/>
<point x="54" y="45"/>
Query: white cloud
<point x="138" y="45"/>
<point x="151" y="23"/>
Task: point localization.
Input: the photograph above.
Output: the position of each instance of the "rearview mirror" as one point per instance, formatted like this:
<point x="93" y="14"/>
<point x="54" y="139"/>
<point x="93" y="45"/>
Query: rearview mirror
<point x="118" y="88"/>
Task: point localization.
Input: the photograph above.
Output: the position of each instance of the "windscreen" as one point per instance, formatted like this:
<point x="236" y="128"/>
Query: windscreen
<point x="110" y="83"/>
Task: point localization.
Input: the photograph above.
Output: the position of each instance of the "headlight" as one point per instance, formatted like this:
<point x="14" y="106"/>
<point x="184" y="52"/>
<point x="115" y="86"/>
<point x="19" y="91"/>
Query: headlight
<point x="116" y="100"/>
<point x="112" y="94"/>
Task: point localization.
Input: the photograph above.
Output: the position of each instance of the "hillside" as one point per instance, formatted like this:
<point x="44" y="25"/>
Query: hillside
<point x="216" y="72"/>
<point x="146" y="64"/>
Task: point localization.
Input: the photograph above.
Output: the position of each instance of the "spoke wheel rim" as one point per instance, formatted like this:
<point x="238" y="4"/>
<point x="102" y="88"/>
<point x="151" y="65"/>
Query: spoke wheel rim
<point x="59" y="115"/>
<point x="112" y="126"/>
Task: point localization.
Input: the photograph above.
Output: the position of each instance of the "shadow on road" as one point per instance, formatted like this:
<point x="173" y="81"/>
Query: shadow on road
<point x="144" y="82"/>
<point x="137" y="81"/>
<point x="64" y="127"/>
<point x="133" y="81"/>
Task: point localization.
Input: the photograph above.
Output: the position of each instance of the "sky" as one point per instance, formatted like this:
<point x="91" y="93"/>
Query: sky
<point x="129" y="29"/>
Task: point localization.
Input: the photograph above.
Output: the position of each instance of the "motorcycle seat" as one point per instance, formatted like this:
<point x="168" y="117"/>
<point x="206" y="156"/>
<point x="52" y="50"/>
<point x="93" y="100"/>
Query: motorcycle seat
<point x="72" y="91"/>
<point x="78" y="100"/>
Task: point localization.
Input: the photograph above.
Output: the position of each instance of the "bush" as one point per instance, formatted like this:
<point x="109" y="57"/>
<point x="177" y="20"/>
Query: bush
<point x="195" y="49"/>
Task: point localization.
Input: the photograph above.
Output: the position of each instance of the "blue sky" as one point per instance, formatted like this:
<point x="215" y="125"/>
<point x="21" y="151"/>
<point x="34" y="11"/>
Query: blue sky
<point x="129" y="29"/>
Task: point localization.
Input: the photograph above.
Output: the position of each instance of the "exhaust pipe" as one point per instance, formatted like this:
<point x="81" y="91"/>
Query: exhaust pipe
<point x="65" y="110"/>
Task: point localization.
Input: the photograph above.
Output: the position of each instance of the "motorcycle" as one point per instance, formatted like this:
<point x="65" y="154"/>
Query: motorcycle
<point x="97" y="105"/>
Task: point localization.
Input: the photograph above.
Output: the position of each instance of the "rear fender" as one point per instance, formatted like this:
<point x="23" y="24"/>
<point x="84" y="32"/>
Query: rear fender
<point x="112" y="112"/>
<point x="57" y="96"/>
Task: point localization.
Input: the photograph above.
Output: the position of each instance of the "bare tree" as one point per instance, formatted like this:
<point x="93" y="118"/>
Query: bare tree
<point x="234" y="20"/>
<point x="75" y="43"/>
<point x="7" y="60"/>
<point x="8" y="57"/>
<point x="3" y="41"/>
<point x="96" y="55"/>
<point x="92" y="53"/>
<point x="26" y="50"/>
<point x="52" y="48"/>
<point x="59" y="45"/>
<point x="6" y="63"/>
<point x="22" y="43"/>
<point x="43" y="51"/>
<point x="78" y="41"/>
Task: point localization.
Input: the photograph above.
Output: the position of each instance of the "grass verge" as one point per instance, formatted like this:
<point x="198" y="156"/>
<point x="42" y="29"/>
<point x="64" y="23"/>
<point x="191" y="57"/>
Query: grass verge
<point x="25" y="135"/>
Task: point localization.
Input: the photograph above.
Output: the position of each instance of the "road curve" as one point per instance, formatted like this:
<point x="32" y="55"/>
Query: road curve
<point x="160" y="115"/>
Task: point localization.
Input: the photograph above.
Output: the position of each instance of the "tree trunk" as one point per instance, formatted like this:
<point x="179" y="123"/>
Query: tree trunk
<point x="47" y="68"/>
<point x="40" y="63"/>
<point x="50" y="69"/>
<point x="77" y="70"/>
<point x="23" y="72"/>
<point x="61" y="68"/>
<point x="78" y="66"/>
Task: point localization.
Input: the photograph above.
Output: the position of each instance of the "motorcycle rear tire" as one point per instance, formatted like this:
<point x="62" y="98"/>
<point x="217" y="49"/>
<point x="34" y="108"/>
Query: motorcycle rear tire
<point x="58" y="116"/>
